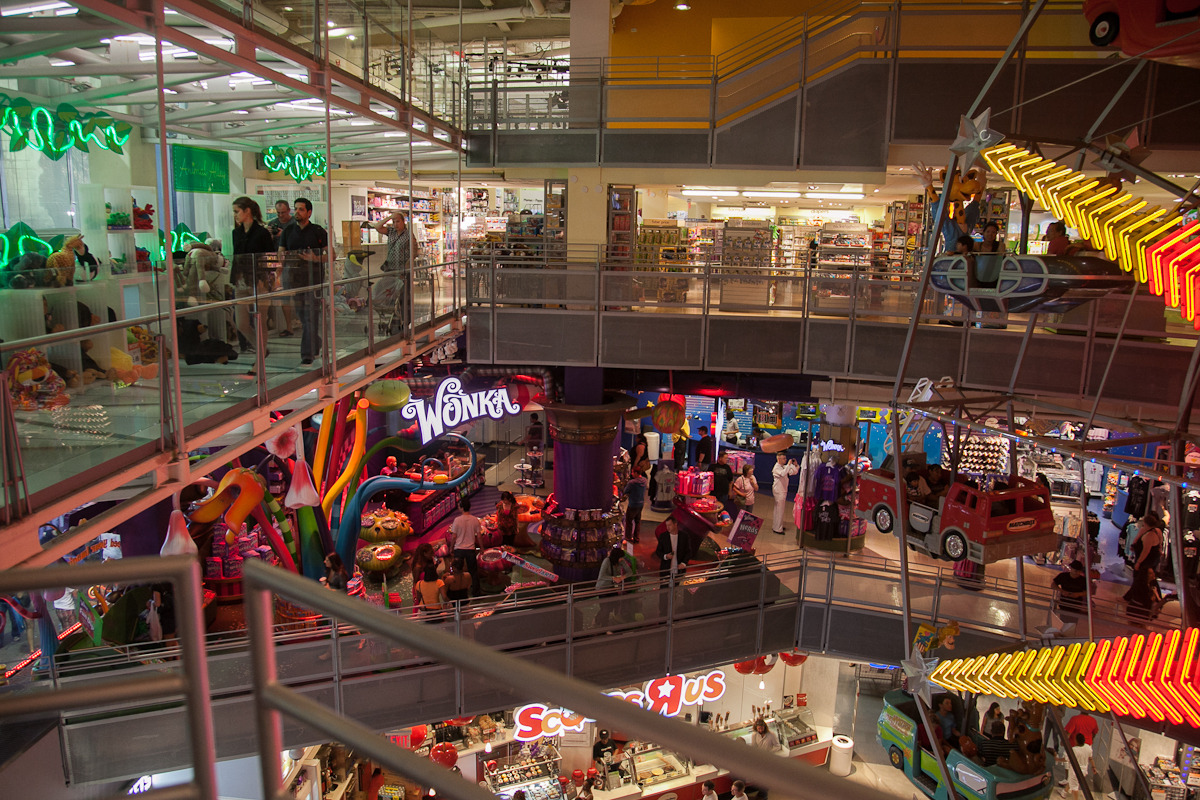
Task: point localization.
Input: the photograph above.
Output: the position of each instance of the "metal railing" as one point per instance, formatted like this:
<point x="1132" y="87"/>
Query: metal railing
<point x="132" y="414"/>
<point x="183" y="573"/>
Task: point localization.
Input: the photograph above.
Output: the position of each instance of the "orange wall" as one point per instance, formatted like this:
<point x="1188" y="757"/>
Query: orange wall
<point x="657" y="29"/>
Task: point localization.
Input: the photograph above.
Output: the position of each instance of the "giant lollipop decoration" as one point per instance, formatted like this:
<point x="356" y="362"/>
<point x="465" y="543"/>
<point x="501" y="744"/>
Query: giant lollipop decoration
<point x="445" y="754"/>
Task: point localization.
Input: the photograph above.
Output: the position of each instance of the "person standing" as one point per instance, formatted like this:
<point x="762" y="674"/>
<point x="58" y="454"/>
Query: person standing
<point x="738" y="790"/>
<point x="465" y="531"/>
<point x="674" y="549"/>
<point x="507" y="519"/>
<point x="764" y="738"/>
<point x="457" y="580"/>
<point x="1082" y="724"/>
<point x="731" y="432"/>
<point x="635" y="490"/>
<point x="781" y="473"/>
<point x="1083" y="757"/>
<point x="722" y="480"/>
<point x="251" y="239"/>
<point x="710" y="791"/>
<point x="745" y="488"/>
<point x="614" y="569"/>
<point x="398" y="261"/>
<point x="704" y="448"/>
<point x="431" y="590"/>
<point x="302" y="246"/>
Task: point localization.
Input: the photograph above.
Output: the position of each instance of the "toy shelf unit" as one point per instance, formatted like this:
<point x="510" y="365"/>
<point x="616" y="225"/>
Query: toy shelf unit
<point x="994" y="207"/>
<point x="906" y="220"/>
<point x="794" y="241"/>
<point x="704" y="242"/>
<point x="555" y="230"/>
<point x="622" y="222"/>
<point x="661" y="242"/>
<point x="749" y="249"/>
<point x="110" y="229"/>
<point x="844" y="246"/>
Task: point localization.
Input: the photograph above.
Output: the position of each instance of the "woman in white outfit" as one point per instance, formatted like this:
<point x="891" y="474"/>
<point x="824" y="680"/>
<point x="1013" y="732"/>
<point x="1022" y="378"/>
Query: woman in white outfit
<point x="784" y="469"/>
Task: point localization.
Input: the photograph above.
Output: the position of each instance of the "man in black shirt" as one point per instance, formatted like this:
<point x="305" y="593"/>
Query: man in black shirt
<point x="603" y="746"/>
<point x="704" y="449"/>
<point x="302" y="245"/>
<point x="722" y="479"/>
<point x="1071" y="587"/>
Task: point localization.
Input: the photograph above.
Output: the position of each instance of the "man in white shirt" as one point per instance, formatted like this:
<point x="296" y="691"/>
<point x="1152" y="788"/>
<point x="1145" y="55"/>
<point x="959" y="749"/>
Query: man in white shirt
<point x="465" y="532"/>
<point x="1083" y="757"/>
<point x="739" y="790"/>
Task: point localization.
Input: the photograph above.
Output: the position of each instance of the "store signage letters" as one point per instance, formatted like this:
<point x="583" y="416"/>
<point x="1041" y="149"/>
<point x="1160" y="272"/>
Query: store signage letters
<point x="666" y="696"/>
<point x="141" y="785"/>
<point x="451" y="408"/>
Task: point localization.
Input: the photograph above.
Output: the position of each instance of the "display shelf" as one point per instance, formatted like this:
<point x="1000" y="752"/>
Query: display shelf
<point x="794" y="243"/>
<point x="622" y="222"/>
<point x="428" y="508"/>
<point x="555" y="204"/>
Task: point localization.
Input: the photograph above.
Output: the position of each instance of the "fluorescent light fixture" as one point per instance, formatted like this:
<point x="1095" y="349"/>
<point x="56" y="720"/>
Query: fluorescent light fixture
<point x="682" y="7"/>
<point x="362" y="122"/>
<point x="330" y="23"/>
<point x="394" y="135"/>
<point x="33" y="9"/>
<point x="62" y="63"/>
<point x="443" y="135"/>
<point x="774" y="195"/>
<point x="352" y="38"/>
<point x="288" y="8"/>
<point x="335" y="33"/>
<point x="420" y="125"/>
<point x="710" y="193"/>
<point x="833" y="195"/>
<point x="66" y="12"/>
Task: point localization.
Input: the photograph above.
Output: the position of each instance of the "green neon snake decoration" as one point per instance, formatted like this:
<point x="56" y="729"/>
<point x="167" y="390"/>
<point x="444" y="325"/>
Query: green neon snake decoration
<point x="55" y="132"/>
<point x="299" y="166"/>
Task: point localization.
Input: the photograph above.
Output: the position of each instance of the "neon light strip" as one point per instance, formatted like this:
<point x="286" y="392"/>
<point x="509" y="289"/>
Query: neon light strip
<point x="1167" y="683"/>
<point x="1149" y="687"/>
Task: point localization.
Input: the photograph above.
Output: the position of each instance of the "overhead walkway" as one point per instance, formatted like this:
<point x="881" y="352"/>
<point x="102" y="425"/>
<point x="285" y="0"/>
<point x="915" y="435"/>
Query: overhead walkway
<point x="815" y="603"/>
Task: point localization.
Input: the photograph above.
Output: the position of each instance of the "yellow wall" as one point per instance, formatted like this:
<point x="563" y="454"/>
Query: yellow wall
<point x="710" y="27"/>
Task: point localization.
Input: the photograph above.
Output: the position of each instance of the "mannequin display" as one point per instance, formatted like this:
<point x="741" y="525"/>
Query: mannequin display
<point x="782" y="472"/>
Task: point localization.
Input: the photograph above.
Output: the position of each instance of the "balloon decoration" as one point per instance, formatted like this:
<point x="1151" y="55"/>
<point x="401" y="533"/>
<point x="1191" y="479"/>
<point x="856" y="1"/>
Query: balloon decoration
<point x="745" y="667"/>
<point x="764" y="664"/>
<point x="668" y="415"/>
<point x="445" y="754"/>
<point x="417" y="736"/>
<point x="793" y="659"/>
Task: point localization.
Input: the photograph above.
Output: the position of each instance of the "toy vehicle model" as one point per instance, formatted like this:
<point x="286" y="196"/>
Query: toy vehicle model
<point x="1011" y="519"/>
<point x="897" y="733"/>
<point x="1137" y="26"/>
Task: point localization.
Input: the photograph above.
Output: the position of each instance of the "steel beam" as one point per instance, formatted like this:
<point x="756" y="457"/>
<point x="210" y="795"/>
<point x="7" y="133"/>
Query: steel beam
<point x="46" y="45"/>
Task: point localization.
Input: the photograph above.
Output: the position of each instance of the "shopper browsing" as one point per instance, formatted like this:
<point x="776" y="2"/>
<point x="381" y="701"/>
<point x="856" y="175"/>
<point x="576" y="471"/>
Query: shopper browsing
<point x="251" y="239"/>
<point x="431" y="590"/>
<point x="710" y="791"/>
<point x="635" y="490"/>
<point x="398" y="261"/>
<point x="731" y="428"/>
<point x="722" y="480"/>
<point x="704" y="448"/>
<point x="1070" y="589"/>
<point x="465" y="531"/>
<point x="1083" y="757"/>
<point x="302" y="247"/>
<point x="745" y="488"/>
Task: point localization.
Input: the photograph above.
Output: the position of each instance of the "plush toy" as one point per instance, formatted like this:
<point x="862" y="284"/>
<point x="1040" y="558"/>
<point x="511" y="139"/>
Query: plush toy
<point x="125" y="371"/>
<point x="27" y="272"/>
<point x="196" y="349"/>
<point x="143" y="218"/>
<point x="962" y="211"/>
<point x="32" y="382"/>
<point x="63" y="262"/>
<point x="145" y="342"/>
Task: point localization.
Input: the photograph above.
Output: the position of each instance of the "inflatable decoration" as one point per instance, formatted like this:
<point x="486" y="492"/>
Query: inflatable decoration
<point x="417" y="736"/>
<point x="354" y="463"/>
<point x="179" y="541"/>
<point x="445" y="754"/>
<point x="378" y="557"/>
<point x="387" y="395"/>
<point x="668" y="416"/>
<point x="793" y="659"/>
<point x="764" y="664"/>
<point x="386" y="526"/>
<point x="240" y="494"/>
<point x="351" y="519"/>
<point x="745" y="667"/>
<point x="33" y="383"/>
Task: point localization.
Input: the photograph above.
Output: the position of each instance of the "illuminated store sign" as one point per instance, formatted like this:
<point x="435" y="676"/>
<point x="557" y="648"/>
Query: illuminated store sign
<point x="451" y="408"/>
<point x="54" y="132"/>
<point x="299" y="166"/>
<point x="1147" y="675"/>
<point x="667" y="696"/>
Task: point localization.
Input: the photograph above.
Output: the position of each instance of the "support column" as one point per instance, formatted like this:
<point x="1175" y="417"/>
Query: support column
<point x="583" y="524"/>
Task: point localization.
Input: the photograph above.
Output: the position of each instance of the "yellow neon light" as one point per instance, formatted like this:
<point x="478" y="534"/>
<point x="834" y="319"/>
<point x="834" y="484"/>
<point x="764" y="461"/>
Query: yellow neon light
<point x="1126" y="238"/>
<point x="999" y="675"/>
<point x="993" y="153"/>
<point x="1108" y="227"/>
<point x="1019" y="169"/>
<point x="1054" y="191"/>
<point x="1077" y="207"/>
<point x="1058" y="204"/>
<point x="1016" y="674"/>
<point x="1031" y="174"/>
<point x="969" y="676"/>
<point x="1042" y="183"/>
<point x="1137" y="644"/>
<point x="1060" y="673"/>
<point x="1138" y="245"/>
<point x="1091" y="219"/>
<point x="1005" y="163"/>
<point x="1108" y="699"/>
<point x="1044" y="676"/>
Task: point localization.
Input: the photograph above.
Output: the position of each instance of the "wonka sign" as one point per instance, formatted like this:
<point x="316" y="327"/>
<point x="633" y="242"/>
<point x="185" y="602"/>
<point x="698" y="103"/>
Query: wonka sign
<point x="451" y="408"/>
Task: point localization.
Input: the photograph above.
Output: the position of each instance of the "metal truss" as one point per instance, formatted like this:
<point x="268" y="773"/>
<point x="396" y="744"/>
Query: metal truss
<point x="225" y="82"/>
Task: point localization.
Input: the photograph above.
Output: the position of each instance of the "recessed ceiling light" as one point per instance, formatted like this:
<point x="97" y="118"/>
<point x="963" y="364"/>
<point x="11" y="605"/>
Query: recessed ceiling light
<point x="330" y="23"/>
<point x="812" y="186"/>
<point x="288" y="8"/>
<point x="682" y="7"/>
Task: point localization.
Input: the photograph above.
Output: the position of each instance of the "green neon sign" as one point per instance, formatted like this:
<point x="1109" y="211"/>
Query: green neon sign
<point x="21" y="239"/>
<point x="54" y="132"/>
<point x="300" y="166"/>
<point x="179" y="239"/>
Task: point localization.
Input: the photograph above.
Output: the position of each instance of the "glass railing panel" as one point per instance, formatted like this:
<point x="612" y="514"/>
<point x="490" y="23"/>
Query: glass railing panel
<point x="831" y="294"/>
<point x="426" y="281"/>
<point x="641" y="288"/>
<point x="351" y="312"/>
<point x="212" y="363"/>
<point x="290" y="297"/>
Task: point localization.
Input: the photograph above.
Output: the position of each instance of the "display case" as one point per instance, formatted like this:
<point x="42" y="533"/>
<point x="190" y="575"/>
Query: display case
<point x="537" y="776"/>
<point x="655" y="765"/>
<point x="797" y="729"/>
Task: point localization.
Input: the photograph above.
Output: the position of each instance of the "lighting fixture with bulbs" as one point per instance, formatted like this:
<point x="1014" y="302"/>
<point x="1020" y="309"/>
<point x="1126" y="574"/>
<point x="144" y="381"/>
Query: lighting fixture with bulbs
<point x="834" y="195"/>
<point x="682" y="7"/>
<point x="762" y="684"/>
<point x="710" y="193"/>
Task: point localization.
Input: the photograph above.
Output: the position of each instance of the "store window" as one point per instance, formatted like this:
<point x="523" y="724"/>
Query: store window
<point x="38" y="191"/>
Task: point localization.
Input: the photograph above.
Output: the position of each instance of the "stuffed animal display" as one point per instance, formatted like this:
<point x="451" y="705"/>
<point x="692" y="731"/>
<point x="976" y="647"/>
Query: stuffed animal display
<point x="32" y="382"/>
<point x="63" y="262"/>
<point x="196" y="349"/>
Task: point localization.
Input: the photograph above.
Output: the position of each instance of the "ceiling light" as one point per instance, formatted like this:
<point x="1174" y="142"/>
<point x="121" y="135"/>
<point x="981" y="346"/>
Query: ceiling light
<point x="336" y="32"/>
<point x="352" y="38"/>
<point x="775" y="195"/>
<point x="833" y="196"/>
<point x="330" y="23"/>
<point x="13" y="12"/>
<point x="682" y="7"/>
<point x="288" y="8"/>
<point x="812" y="186"/>
<point x="394" y="135"/>
<point x="360" y="122"/>
<point x="710" y="193"/>
<point x="62" y="63"/>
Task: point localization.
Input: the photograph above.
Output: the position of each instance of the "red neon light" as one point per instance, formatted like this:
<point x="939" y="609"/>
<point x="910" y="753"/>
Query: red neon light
<point x="1109" y="660"/>
<point x="1138" y="655"/>
<point x="1150" y="673"/>
<point x="36" y="654"/>
<point x="1157" y="255"/>
<point x="1117" y="676"/>
<point x="1184" y="676"/>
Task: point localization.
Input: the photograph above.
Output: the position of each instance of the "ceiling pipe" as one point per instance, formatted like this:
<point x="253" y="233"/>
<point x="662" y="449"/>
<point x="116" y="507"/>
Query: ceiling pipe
<point x="486" y="17"/>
